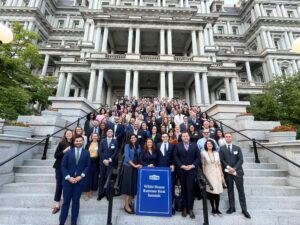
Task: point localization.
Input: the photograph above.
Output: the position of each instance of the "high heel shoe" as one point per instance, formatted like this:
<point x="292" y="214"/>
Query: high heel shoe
<point x="127" y="211"/>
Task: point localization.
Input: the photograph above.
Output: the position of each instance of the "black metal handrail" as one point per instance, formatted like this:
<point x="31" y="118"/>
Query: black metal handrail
<point x="202" y="182"/>
<point x="111" y="195"/>
<point x="255" y="143"/>
<point x="46" y="140"/>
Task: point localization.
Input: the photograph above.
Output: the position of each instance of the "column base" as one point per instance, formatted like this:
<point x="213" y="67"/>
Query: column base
<point x="166" y="57"/>
<point x="132" y="56"/>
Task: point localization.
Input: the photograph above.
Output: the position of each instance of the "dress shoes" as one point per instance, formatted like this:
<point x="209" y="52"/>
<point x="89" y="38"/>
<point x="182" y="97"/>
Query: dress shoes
<point x="246" y="214"/>
<point x="230" y="210"/>
<point x="184" y="213"/>
<point x="100" y="197"/>
<point x="192" y="215"/>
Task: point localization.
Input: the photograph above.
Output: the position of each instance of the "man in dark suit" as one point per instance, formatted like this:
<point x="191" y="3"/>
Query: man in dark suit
<point x="118" y="131"/>
<point x="184" y="127"/>
<point x="108" y="153"/>
<point x="232" y="159"/>
<point x="195" y="121"/>
<point x="187" y="159"/>
<point x="74" y="168"/>
<point x="165" y="159"/>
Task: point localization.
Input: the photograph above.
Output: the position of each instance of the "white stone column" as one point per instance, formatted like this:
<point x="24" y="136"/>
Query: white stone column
<point x="298" y="64"/>
<point x="298" y="11"/>
<point x="68" y="85"/>
<point x="271" y="68"/>
<point x="291" y="37"/>
<point x="266" y="72"/>
<point x="197" y="88"/>
<point x="201" y="42"/>
<point x="67" y="23"/>
<point x="234" y="89"/>
<point x="127" y="83"/>
<point x="193" y="96"/>
<point x="82" y="92"/>
<point x="30" y="4"/>
<point x="158" y="3"/>
<point x="109" y="94"/>
<point x="276" y="67"/>
<point x="257" y="10"/>
<point x="91" y="4"/>
<point x="207" y="7"/>
<point x="164" y="3"/>
<point x="92" y="85"/>
<point x="283" y="11"/>
<point x="278" y="10"/>
<point x="105" y="39"/>
<point x="170" y="84"/>
<point x="227" y="89"/>
<point x="169" y="42"/>
<point x="181" y="3"/>
<point x="262" y="10"/>
<point x="252" y="16"/>
<point x="86" y="31"/>
<point x="162" y="42"/>
<point x="258" y="41"/>
<point x="194" y="43"/>
<point x="45" y="66"/>
<point x="294" y="65"/>
<point x="76" y="92"/>
<point x="98" y="38"/>
<point x="60" y="85"/>
<point x="229" y="27"/>
<point x="265" y="39"/>
<point x="187" y="95"/>
<point x="248" y="69"/>
<point x="137" y="40"/>
<point x="99" y="85"/>
<point x="136" y="2"/>
<point x="270" y="40"/>
<point x="287" y="41"/>
<point x="91" y="33"/>
<point x="205" y="89"/>
<point x="135" y="84"/>
<point x="130" y="40"/>
<point x="206" y="38"/>
<point x="187" y="3"/>
<point x="162" y="84"/>
<point x="211" y="35"/>
<point x="203" y="8"/>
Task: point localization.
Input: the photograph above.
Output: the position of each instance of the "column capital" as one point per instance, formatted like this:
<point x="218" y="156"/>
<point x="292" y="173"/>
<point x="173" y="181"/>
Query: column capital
<point x="201" y="28"/>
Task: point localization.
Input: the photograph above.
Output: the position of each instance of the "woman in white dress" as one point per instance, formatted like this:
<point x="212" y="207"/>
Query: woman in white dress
<point x="212" y="169"/>
<point x="220" y="138"/>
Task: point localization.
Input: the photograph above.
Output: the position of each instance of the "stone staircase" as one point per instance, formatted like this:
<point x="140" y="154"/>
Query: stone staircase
<point x="29" y="200"/>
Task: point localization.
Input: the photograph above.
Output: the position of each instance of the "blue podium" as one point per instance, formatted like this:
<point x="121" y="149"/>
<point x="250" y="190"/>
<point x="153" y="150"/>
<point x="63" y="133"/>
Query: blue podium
<point x="154" y="196"/>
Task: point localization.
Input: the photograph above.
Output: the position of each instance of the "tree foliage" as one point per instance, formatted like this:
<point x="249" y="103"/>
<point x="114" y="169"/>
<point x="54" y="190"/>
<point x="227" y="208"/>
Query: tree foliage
<point x="18" y="85"/>
<point x="280" y="101"/>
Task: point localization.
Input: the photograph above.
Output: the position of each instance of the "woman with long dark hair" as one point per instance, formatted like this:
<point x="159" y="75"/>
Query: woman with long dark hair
<point x="66" y="143"/>
<point x="88" y="125"/>
<point x="149" y="156"/>
<point x="212" y="169"/>
<point x="131" y="165"/>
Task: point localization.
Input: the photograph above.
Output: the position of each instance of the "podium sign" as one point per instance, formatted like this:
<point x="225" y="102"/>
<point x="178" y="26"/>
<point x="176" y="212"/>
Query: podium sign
<point x="154" y="197"/>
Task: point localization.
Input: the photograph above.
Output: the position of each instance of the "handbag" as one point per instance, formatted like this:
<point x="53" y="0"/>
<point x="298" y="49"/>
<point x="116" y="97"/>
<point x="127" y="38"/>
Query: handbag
<point x="177" y="198"/>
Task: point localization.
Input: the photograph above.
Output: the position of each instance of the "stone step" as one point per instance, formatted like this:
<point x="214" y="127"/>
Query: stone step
<point x="252" y="159"/>
<point x="35" y="178"/>
<point x="34" y="169"/>
<point x="37" y="216"/>
<point x="249" y="165"/>
<point x="265" y="180"/>
<point x="39" y="155"/>
<point x="266" y="172"/>
<point x="23" y="188"/>
<point x="46" y="201"/>
<point x="39" y="162"/>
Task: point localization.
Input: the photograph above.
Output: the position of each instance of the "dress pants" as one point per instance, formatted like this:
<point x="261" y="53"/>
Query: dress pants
<point x="104" y="171"/>
<point x="70" y="192"/>
<point x="187" y="190"/>
<point x="239" y="182"/>
<point x="58" y="189"/>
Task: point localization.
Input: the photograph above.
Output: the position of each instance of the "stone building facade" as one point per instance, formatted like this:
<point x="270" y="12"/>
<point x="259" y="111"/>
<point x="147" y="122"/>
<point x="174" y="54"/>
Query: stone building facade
<point x="195" y="49"/>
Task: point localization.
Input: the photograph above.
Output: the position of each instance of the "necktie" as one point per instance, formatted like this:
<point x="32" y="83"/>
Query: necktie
<point x="77" y="156"/>
<point x="229" y="149"/>
<point x="186" y="146"/>
<point x="165" y="149"/>
<point x="108" y="142"/>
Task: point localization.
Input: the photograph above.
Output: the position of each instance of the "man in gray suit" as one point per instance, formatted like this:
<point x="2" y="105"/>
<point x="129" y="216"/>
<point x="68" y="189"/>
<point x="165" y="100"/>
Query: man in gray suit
<point x="232" y="159"/>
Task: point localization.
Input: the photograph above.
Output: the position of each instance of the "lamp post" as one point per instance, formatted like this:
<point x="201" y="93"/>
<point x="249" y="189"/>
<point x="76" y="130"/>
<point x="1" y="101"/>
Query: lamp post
<point x="296" y="45"/>
<point x="6" y="35"/>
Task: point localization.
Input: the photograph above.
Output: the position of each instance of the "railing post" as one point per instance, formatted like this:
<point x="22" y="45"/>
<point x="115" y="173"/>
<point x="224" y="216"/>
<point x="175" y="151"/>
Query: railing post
<point x="44" y="157"/>
<point x="205" y="209"/>
<point x="221" y="126"/>
<point x="78" y="121"/>
<point x="255" y="151"/>
<point x="110" y="201"/>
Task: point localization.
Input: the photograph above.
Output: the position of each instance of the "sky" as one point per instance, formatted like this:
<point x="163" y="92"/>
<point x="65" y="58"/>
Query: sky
<point x="230" y="1"/>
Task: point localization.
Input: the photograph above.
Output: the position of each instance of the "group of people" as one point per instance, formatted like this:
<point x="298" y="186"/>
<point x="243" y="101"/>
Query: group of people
<point x="147" y="133"/>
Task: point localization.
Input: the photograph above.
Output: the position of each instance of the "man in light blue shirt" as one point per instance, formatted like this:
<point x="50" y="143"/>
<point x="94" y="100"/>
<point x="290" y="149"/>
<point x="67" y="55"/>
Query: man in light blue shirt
<point x="201" y="142"/>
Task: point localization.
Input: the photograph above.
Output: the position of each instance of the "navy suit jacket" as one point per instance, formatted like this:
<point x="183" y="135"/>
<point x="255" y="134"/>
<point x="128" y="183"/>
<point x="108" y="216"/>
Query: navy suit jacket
<point x="106" y="152"/>
<point x="166" y="160"/>
<point x="183" y="157"/>
<point x="234" y="159"/>
<point x="69" y="166"/>
<point x="197" y="123"/>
